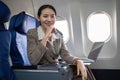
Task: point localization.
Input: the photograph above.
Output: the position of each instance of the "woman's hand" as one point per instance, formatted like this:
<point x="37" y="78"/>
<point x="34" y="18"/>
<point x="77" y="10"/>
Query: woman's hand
<point x="48" y="32"/>
<point x="47" y="35"/>
<point x="81" y="69"/>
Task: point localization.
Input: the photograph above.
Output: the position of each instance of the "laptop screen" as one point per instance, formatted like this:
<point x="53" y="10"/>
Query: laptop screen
<point x="95" y="50"/>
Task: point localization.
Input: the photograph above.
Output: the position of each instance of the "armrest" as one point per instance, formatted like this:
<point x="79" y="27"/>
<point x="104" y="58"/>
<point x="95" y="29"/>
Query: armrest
<point x="37" y="67"/>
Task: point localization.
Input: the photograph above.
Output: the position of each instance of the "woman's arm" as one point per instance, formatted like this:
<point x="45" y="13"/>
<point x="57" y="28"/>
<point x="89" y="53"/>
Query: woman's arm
<point x="34" y="47"/>
<point x="65" y="54"/>
<point x="81" y="70"/>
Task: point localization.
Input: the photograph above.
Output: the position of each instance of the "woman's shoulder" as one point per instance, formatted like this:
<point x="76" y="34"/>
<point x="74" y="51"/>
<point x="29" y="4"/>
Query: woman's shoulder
<point x="33" y="30"/>
<point x="59" y="34"/>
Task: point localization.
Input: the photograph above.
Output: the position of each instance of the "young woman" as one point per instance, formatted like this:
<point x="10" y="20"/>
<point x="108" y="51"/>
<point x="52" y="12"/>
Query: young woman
<point x="45" y="44"/>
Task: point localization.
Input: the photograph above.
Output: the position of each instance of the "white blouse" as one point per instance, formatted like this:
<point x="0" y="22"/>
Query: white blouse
<point x="54" y="35"/>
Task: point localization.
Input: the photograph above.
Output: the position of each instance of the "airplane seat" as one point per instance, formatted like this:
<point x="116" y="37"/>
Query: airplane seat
<point x="19" y="25"/>
<point x="5" y="40"/>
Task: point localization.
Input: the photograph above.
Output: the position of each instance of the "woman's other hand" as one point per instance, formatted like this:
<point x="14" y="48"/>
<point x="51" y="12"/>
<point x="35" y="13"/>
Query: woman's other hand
<point x="81" y="69"/>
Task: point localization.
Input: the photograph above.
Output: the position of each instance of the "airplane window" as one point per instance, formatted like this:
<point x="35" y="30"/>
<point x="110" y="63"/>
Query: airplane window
<point x="98" y="27"/>
<point x="62" y="25"/>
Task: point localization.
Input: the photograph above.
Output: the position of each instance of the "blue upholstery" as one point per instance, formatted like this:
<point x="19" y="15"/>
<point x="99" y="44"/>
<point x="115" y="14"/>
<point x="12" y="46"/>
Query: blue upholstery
<point x="5" y="39"/>
<point x="19" y="25"/>
<point x="2" y="27"/>
<point x="4" y="12"/>
<point x="5" y="70"/>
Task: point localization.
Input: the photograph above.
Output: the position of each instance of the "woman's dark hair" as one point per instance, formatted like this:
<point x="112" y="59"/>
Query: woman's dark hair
<point x="44" y="7"/>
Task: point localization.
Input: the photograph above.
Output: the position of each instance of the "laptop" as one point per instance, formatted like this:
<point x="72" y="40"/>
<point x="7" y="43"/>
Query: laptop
<point x="93" y="54"/>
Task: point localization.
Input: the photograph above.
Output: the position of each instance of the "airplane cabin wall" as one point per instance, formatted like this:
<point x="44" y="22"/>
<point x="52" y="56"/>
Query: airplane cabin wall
<point x="76" y="13"/>
<point x="117" y="59"/>
<point x="106" y="59"/>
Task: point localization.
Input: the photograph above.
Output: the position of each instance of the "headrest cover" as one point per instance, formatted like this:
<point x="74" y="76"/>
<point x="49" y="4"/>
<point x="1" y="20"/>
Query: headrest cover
<point x="4" y="12"/>
<point x="22" y="22"/>
<point x="19" y="22"/>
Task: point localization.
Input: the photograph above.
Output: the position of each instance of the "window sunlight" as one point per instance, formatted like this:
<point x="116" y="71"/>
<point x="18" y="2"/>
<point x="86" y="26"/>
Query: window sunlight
<point x="62" y="25"/>
<point x="98" y="27"/>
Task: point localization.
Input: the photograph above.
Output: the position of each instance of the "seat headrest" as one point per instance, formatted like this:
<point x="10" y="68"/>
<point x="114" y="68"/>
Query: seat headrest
<point x="4" y="13"/>
<point x="22" y="22"/>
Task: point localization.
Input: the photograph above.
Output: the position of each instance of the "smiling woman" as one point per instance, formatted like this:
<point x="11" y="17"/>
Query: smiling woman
<point x="47" y="47"/>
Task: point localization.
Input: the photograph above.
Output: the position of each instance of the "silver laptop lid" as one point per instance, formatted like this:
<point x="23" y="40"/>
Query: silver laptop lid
<point x="95" y="50"/>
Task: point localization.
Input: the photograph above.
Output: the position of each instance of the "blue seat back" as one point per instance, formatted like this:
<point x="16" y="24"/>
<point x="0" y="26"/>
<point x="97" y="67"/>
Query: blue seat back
<point x="5" y="40"/>
<point x="4" y="13"/>
<point x="19" y="25"/>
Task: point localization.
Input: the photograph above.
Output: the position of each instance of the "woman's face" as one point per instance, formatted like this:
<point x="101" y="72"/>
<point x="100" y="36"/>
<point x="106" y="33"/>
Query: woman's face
<point x="47" y="17"/>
